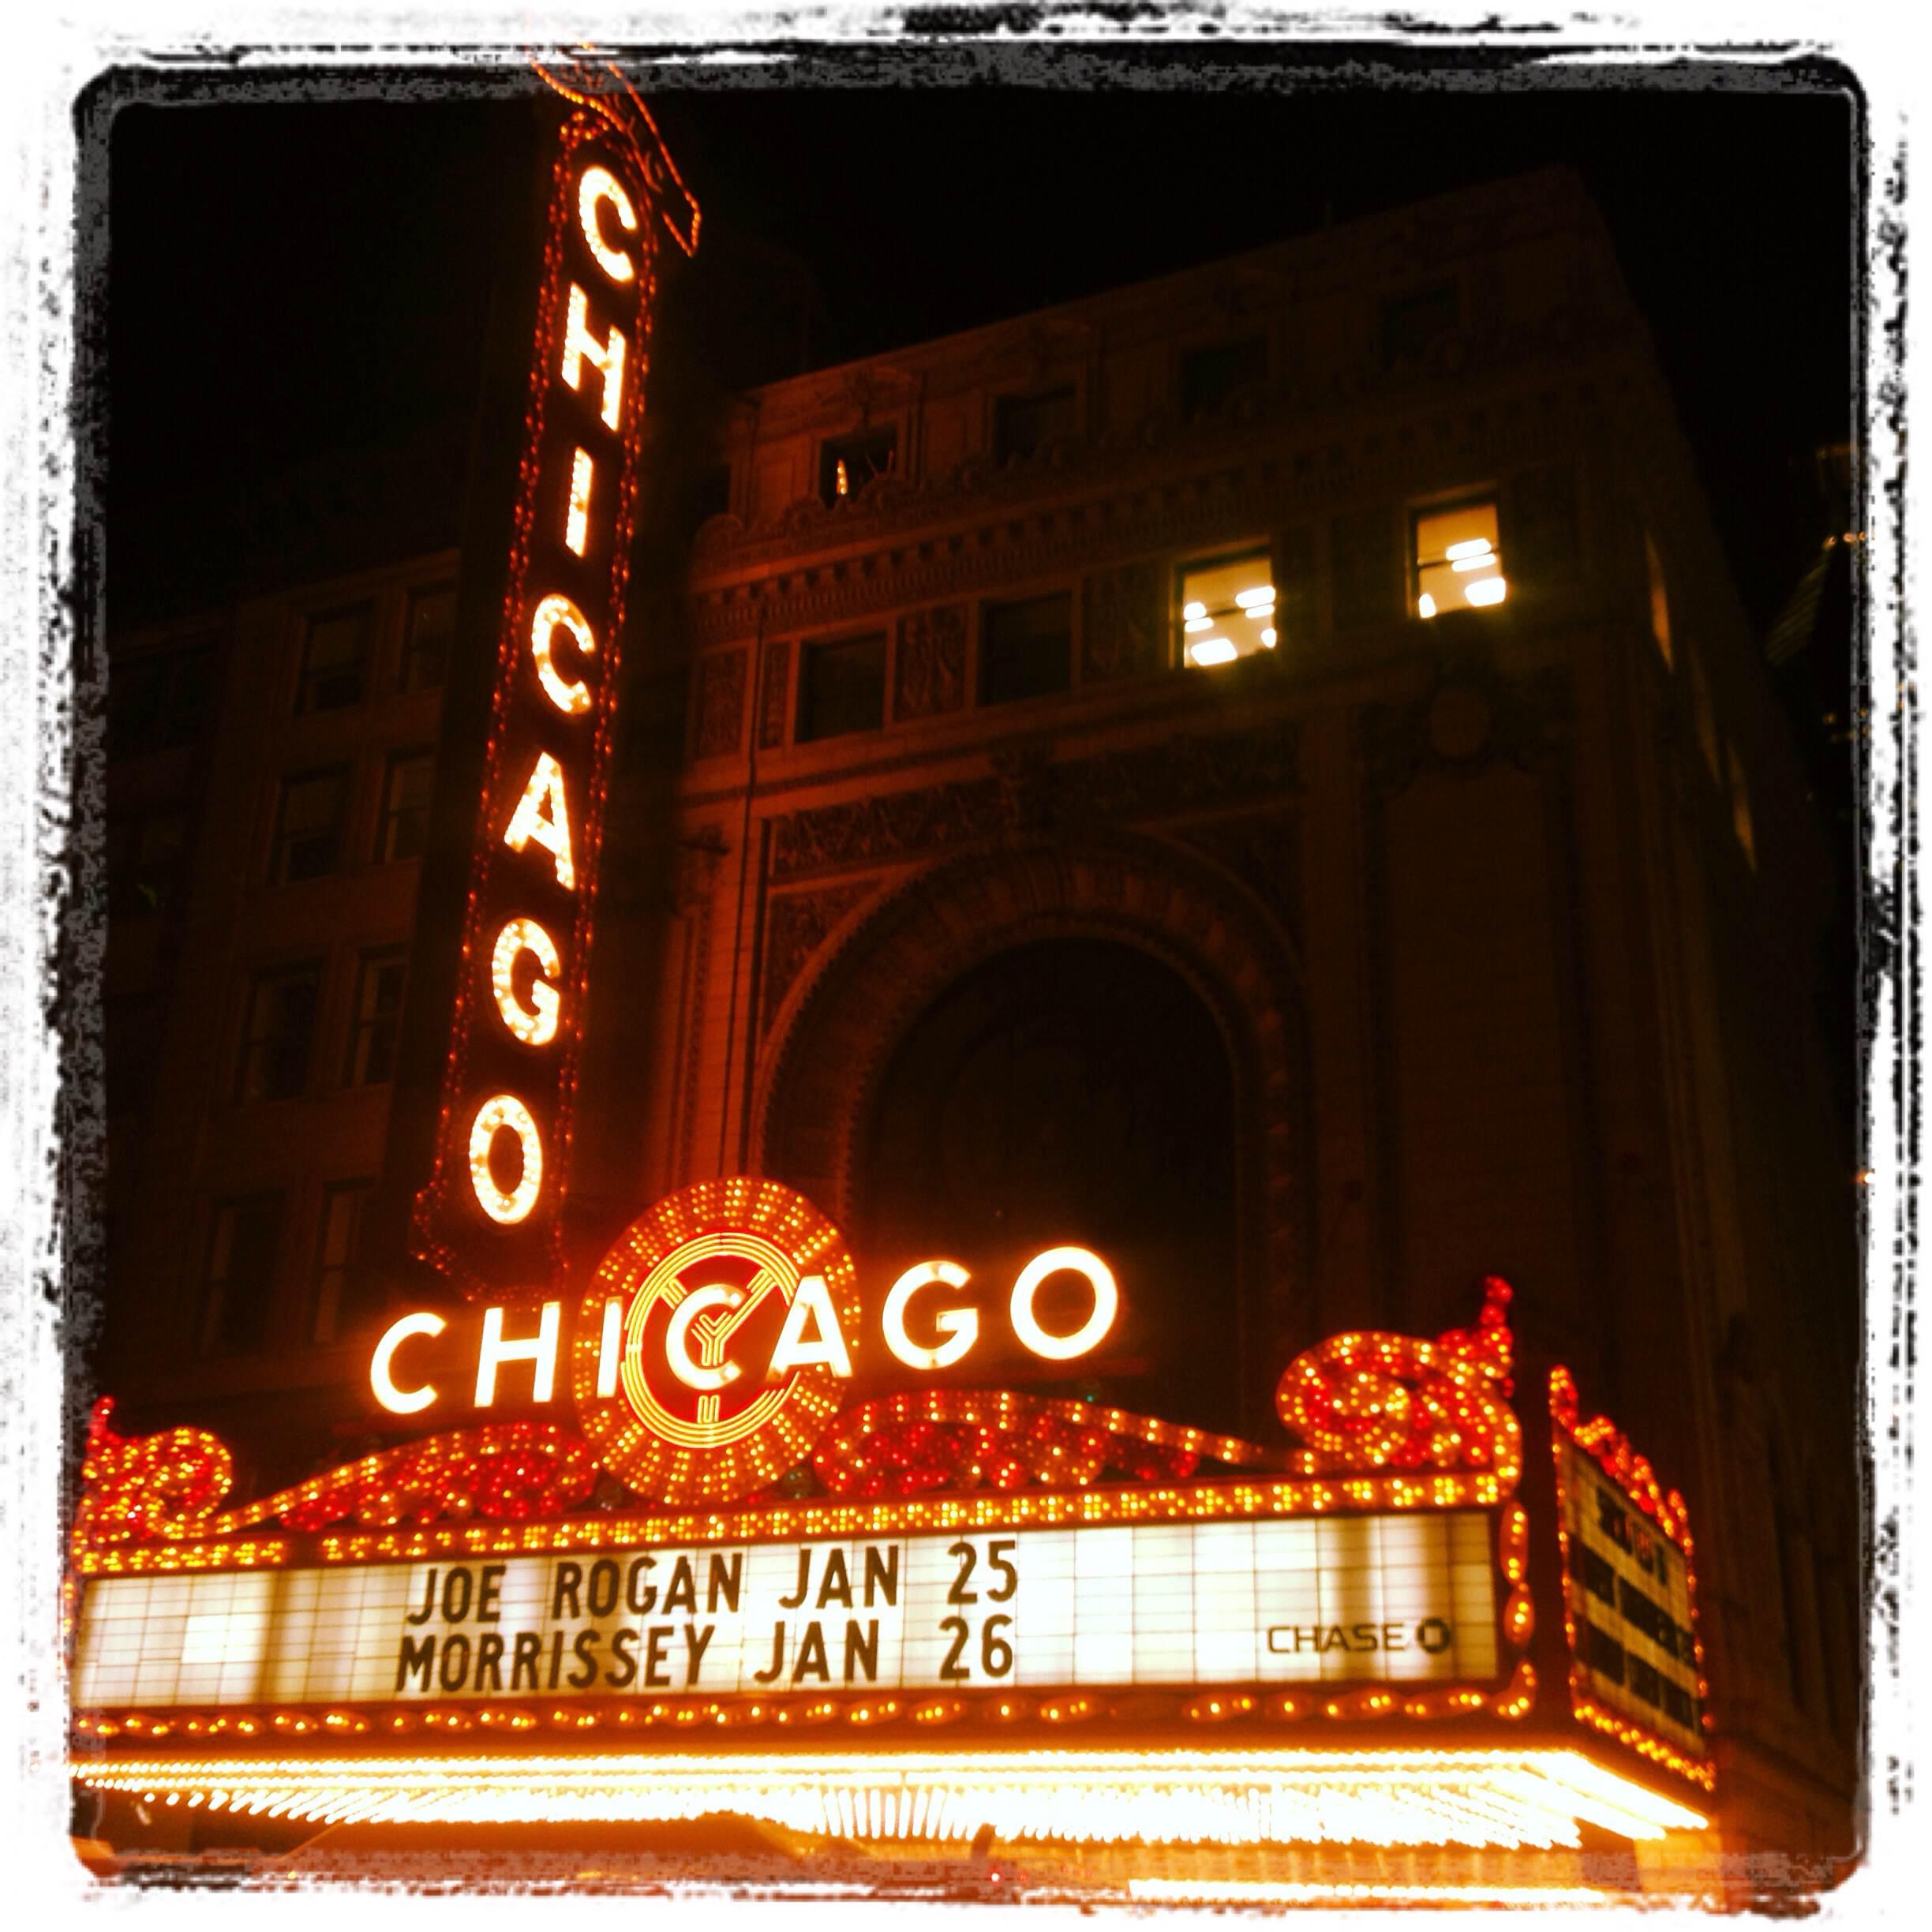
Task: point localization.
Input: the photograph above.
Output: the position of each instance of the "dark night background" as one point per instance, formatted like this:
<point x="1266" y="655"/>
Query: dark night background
<point x="301" y="291"/>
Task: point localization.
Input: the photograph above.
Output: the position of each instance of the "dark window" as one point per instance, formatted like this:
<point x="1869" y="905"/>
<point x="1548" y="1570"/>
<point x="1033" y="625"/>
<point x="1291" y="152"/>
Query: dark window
<point x="428" y="632"/>
<point x="1212" y="377"/>
<point x="146" y="864"/>
<point x="842" y="687"/>
<point x="335" y="1302"/>
<point x="308" y="824"/>
<point x="336" y="655"/>
<point x="237" y="1275"/>
<point x="1602" y="1652"/>
<point x="376" y="1016"/>
<point x="1026" y="649"/>
<point x="1414" y="325"/>
<point x="403" y="830"/>
<point x="154" y="703"/>
<point x="848" y="464"/>
<point x="279" y="1033"/>
<point x="1023" y="425"/>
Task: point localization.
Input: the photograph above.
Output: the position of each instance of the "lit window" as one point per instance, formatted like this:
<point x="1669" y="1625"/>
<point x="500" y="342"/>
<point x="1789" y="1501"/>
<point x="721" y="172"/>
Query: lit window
<point x="1659" y="599"/>
<point x="1457" y="561"/>
<point x="279" y="1033"/>
<point x="1026" y="647"/>
<point x="428" y="632"/>
<point x="848" y="464"/>
<point x="336" y="658"/>
<point x="842" y="687"/>
<point x="404" y="828"/>
<point x="1227" y="610"/>
<point x="237" y="1275"/>
<point x="333" y="1300"/>
<point x="376" y="1017"/>
<point x="308" y="824"/>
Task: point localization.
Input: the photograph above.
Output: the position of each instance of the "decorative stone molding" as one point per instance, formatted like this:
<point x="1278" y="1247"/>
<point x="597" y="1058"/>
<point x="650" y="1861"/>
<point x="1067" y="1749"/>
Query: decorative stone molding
<point x="720" y="703"/>
<point x="1263" y="850"/>
<point x="1464" y="722"/>
<point x="795" y="926"/>
<point x="833" y="1034"/>
<point x="1120" y="633"/>
<point x="932" y="662"/>
<point x="775" y="688"/>
<point x="1028" y="795"/>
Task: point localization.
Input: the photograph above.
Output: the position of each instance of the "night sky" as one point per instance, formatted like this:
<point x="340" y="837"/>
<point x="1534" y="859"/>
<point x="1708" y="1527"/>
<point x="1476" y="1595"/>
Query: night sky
<point x="291" y="277"/>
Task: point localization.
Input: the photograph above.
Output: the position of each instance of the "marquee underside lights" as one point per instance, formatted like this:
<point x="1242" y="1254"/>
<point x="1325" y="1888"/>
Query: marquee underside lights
<point x="516" y="1039"/>
<point x="1475" y="1798"/>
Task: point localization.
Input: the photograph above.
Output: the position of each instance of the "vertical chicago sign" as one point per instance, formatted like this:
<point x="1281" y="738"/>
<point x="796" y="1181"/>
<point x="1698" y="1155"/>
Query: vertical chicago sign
<point x="490" y="1216"/>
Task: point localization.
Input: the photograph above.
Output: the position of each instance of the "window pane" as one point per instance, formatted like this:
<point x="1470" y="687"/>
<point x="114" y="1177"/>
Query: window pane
<point x="378" y="1014"/>
<point x="1457" y="562"/>
<point x="1026" y="649"/>
<point x="308" y="841"/>
<point x="280" y="1032"/>
<point x="847" y="464"/>
<point x="405" y="828"/>
<point x="336" y="1304"/>
<point x="1414" y="324"/>
<point x="336" y="658"/>
<point x="1023" y="425"/>
<point x="1212" y="377"/>
<point x="427" y="636"/>
<point x="238" y="1276"/>
<point x="842" y="688"/>
<point x="1227" y="610"/>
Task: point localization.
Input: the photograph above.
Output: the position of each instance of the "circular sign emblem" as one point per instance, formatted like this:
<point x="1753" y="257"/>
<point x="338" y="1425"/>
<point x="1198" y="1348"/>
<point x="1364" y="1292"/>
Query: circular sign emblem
<point x="712" y="1342"/>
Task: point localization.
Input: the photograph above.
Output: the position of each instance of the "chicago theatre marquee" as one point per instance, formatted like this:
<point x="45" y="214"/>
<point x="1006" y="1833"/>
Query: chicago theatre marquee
<point x="1075" y="1298"/>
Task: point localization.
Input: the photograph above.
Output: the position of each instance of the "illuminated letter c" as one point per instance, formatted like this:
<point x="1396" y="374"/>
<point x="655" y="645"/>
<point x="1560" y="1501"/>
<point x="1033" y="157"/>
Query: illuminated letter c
<point x="554" y="612"/>
<point x="599" y="185"/>
<point x="402" y="1401"/>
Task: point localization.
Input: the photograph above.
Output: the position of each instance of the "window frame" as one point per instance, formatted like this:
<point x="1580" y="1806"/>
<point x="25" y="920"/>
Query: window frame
<point x="983" y="613"/>
<point x="209" y="1307"/>
<point x="832" y="448"/>
<point x="370" y="961"/>
<point x="809" y="649"/>
<point x="362" y="1188"/>
<point x="1004" y="402"/>
<point x="308" y="674"/>
<point x="1263" y="550"/>
<point x="279" y="840"/>
<point x="393" y="762"/>
<point x="255" y="982"/>
<point x="414" y="596"/>
<point x="1489" y="497"/>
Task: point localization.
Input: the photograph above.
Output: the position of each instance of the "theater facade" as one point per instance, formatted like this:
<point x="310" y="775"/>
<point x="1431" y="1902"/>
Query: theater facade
<point x="1052" y="1084"/>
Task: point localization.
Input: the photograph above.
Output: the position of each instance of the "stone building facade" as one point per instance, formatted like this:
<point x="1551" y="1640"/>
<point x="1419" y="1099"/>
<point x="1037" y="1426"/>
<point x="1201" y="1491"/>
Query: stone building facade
<point x="947" y="885"/>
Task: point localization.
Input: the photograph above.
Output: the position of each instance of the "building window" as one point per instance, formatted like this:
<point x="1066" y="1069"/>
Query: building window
<point x="376" y="1016"/>
<point x="280" y="1032"/>
<point x="237" y="1274"/>
<point x="1415" y="326"/>
<point x="1457" y="561"/>
<point x="428" y="631"/>
<point x="336" y="656"/>
<point x="157" y="702"/>
<point x="1023" y="426"/>
<point x="1212" y="377"/>
<point x="842" y="687"/>
<point x="146" y="864"/>
<point x="403" y="830"/>
<point x="1659" y="600"/>
<point x="848" y="463"/>
<point x="333" y="1301"/>
<point x="308" y="824"/>
<point x="1227" y="609"/>
<point x="1026" y="649"/>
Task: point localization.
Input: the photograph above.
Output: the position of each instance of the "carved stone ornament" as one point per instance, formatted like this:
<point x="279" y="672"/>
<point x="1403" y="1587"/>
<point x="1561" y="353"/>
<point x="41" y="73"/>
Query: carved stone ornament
<point x="932" y="662"/>
<point x="1123" y="631"/>
<point x="720" y="703"/>
<point x="796" y="928"/>
<point x="775" y="688"/>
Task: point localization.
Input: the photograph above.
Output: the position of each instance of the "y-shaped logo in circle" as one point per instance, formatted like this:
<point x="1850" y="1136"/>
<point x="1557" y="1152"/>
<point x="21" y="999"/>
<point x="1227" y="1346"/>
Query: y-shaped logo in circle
<point x="713" y="1343"/>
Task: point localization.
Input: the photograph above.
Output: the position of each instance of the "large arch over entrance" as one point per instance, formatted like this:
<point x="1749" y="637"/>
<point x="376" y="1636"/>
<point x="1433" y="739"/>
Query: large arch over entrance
<point x="837" y="1033"/>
